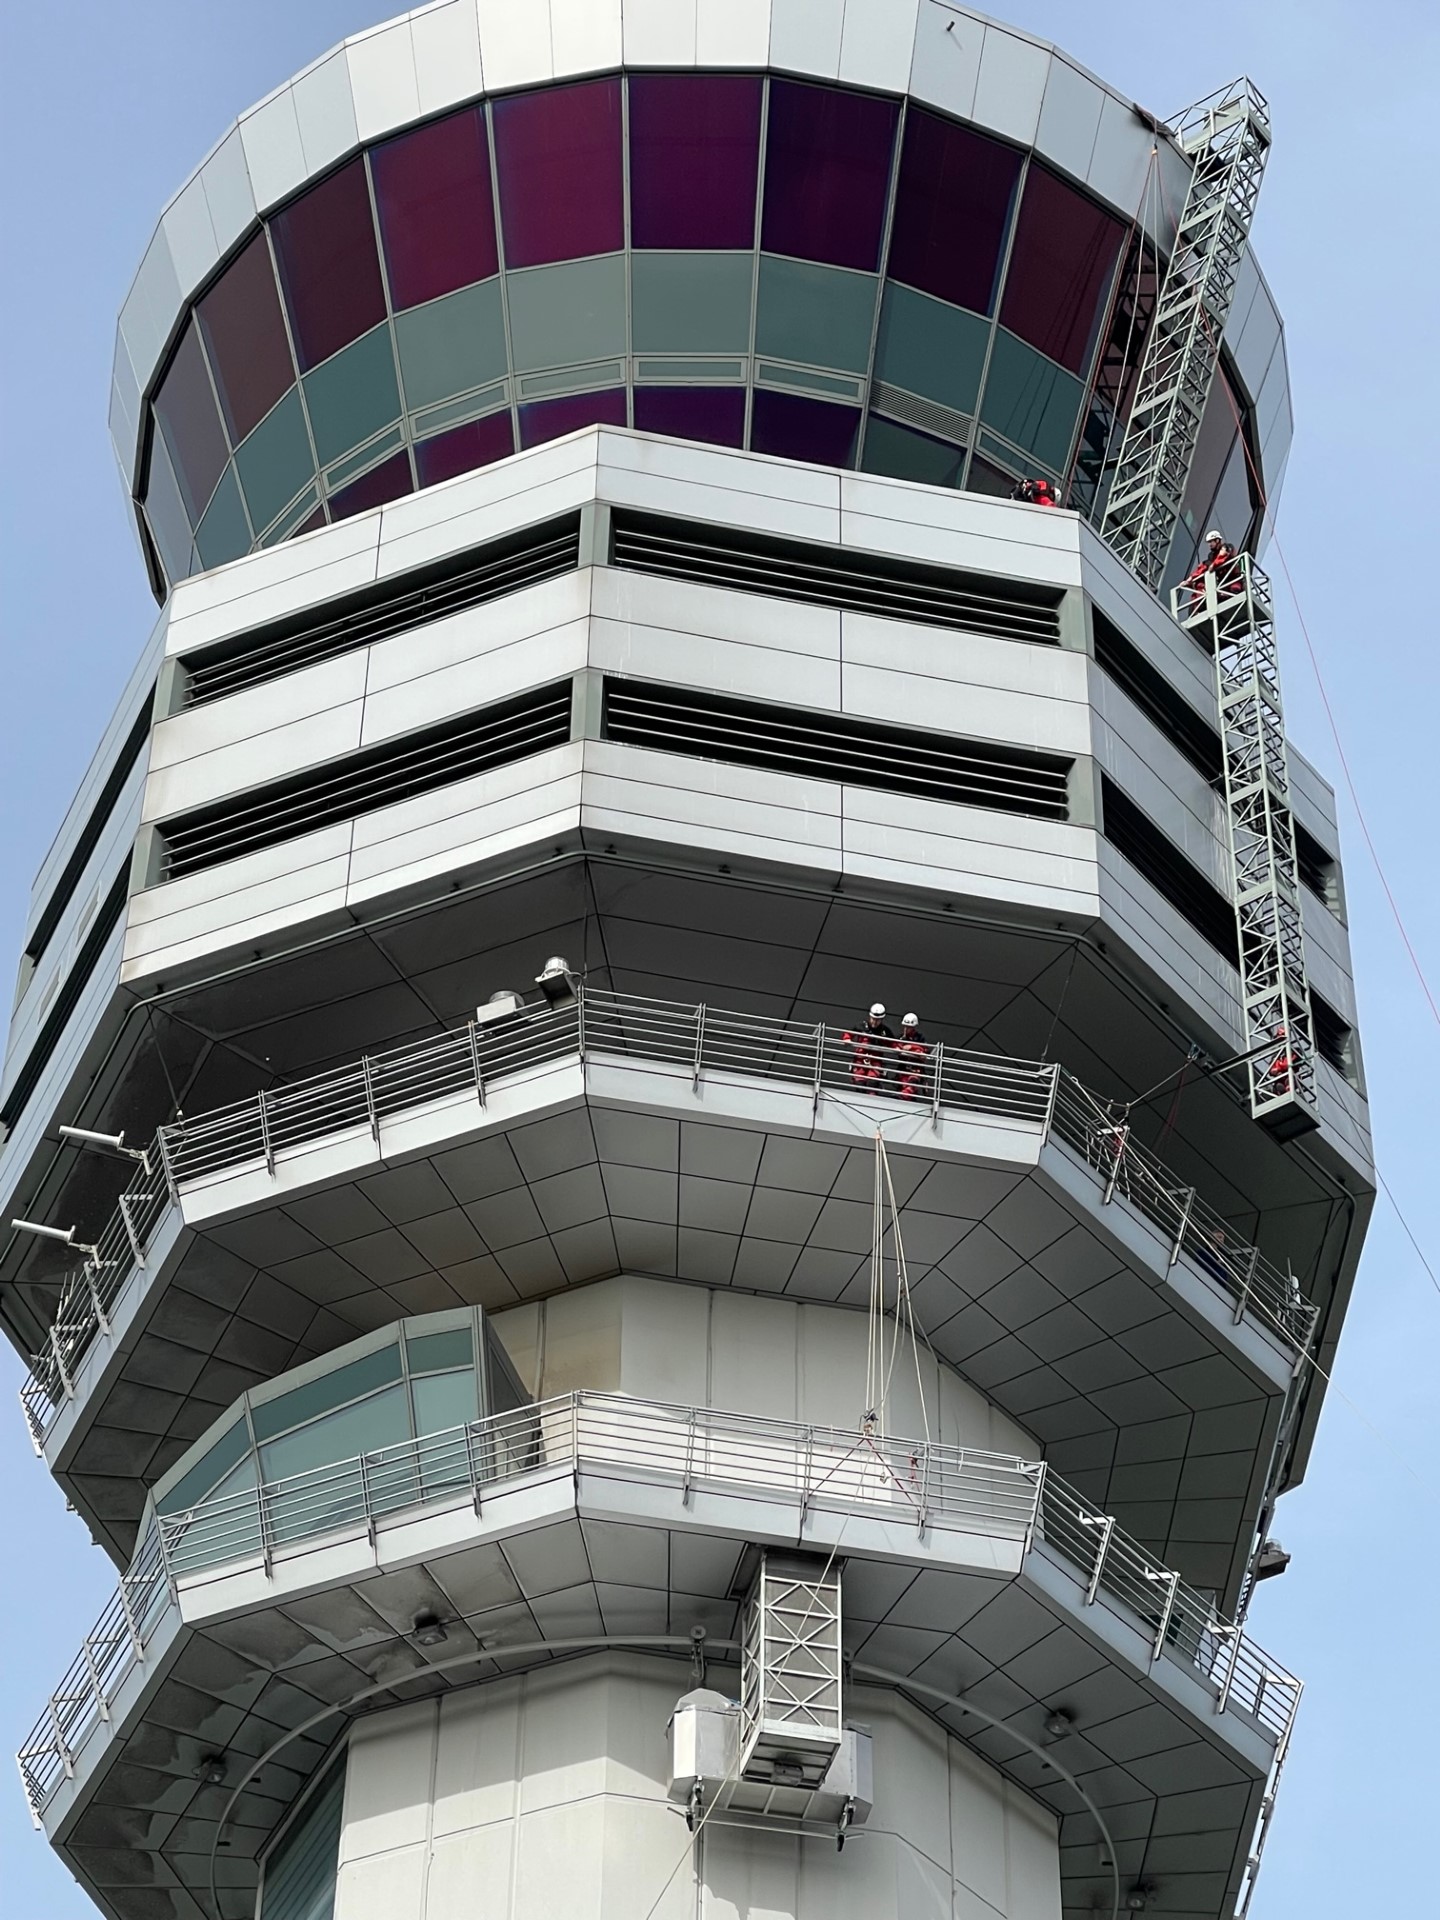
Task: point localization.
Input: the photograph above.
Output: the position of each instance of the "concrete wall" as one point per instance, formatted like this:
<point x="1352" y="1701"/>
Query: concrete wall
<point x="699" y="1347"/>
<point x="543" y="1796"/>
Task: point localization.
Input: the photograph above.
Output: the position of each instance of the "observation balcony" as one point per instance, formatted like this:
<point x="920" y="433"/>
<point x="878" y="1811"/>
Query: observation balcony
<point x="1129" y="1307"/>
<point x="592" y="1518"/>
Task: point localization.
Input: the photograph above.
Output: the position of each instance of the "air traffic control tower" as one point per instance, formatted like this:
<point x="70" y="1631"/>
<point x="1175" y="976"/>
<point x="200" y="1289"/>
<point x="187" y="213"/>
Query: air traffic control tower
<point x="586" y="1426"/>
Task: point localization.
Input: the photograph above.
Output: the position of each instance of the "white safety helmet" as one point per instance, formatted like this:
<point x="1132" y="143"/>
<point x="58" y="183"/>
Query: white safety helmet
<point x="877" y="1012"/>
<point x="911" y="1020"/>
<point x="1215" y="534"/>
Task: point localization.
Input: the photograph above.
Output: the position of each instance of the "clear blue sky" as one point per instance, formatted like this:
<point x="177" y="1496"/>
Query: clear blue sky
<point x="104" y="109"/>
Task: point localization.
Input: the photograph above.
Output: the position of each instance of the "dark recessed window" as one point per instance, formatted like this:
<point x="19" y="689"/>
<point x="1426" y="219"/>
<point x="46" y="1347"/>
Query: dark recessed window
<point x="550" y="419"/>
<point x="694" y="159"/>
<point x="827" y="169"/>
<point x="462" y="449"/>
<point x="1060" y="269"/>
<point x="801" y="429"/>
<point x="713" y="414"/>
<point x="903" y="454"/>
<point x="561" y="178"/>
<point x="245" y="334"/>
<point x="437" y="218"/>
<point x="388" y="481"/>
<point x="329" y="268"/>
<point x="952" y="211"/>
<point x="185" y="408"/>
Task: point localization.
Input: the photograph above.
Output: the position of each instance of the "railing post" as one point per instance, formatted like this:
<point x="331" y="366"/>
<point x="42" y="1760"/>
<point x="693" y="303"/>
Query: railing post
<point x="924" y="1491"/>
<point x="1242" y="1299"/>
<point x="167" y="1164"/>
<point x="473" y="1034"/>
<point x="473" y="1464"/>
<point x="370" y="1114"/>
<point x="1184" y="1226"/>
<point x="267" y="1532"/>
<point x="1050" y="1104"/>
<point x="67" y="1384"/>
<point x="819" y="1066"/>
<point x="130" y="1234"/>
<point x="62" y="1751"/>
<point x="580" y="1021"/>
<point x="805" y="1476"/>
<point x="1106" y="1524"/>
<point x="689" y="1485"/>
<point x="699" y="1046"/>
<point x="102" y="1704"/>
<point x="102" y="1319"/>
<point x="1171" y="1582"/>
<point x="1223" y="1700"/>
<point x="137" y="1645"/>
<point x="937" y="1056"/>
<point x="1036" y="1514"/>
<point x="1119" y="1139"/>
<point x="265" y="1140"/>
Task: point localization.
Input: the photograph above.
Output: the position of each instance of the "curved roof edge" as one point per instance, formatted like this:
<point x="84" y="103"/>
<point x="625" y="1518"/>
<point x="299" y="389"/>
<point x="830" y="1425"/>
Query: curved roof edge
<point x="421" y="63"/>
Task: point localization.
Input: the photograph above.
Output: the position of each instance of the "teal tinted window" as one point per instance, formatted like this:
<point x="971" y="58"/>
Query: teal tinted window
<point x="691" y="302"/>
<point x="434" y="1352"/>
<point x="1031" y="400"/>
<point x="301" y="1869"/>
<point x="931" y="349"/>
<point x="903" y="454"/>
<point x="165" y="510"/>
<point x="561" y="316"/>
<point x="210" y="1468"/>
<point x="821" y="315"/>
<point x="380" y="1421"/>
<point x="353" y="395"/>
<point x="332" y="1389"/>
<point x="451" y="345"/>
<point x="445" y="1400"/>
<point x="224" y="533"/>
<point x="275" y="462"/>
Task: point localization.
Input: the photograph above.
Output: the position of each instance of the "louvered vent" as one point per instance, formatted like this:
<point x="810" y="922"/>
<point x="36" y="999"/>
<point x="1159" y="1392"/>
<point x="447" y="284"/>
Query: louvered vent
<point x="825" y="746"/>
<point x="1172" y="874"/>
<point x="412" y="600"/>
<point x="1165" y="705"/>
<point x="831" y="577"/>
<point x="361" y="782"/>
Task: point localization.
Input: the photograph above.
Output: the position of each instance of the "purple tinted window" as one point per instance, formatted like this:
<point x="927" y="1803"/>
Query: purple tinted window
<point x="245" y="335"/>
<point x="694" y="159"/>
<point x="310" y="524"/>
<point x="329" y="268"/>
<point x="801" y="429"/>
<point x="561" y="183"/>
<point x="952" y="209"/>
<point x="388" y="481"/>
<point x="185" y="407"/>
<point x="827" y="166"/>
<point x="463" y="449"/>
<point x="548" y="419"/>
<point x="714" y="414"/>
<point x="437" y="219"/>
<point x="1060" y="268"/>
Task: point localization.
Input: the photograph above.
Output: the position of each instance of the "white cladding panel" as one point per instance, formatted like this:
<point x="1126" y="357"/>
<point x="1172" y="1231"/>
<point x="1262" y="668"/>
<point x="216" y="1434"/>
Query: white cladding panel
<point x="547" y="1791"/>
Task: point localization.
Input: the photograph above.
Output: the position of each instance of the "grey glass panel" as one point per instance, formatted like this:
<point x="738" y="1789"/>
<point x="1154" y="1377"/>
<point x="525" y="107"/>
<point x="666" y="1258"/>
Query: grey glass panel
<point x="769" y="375"/>
<point x="445" y="1400"/>
<point x="300" y="1873"/>
<point x="330" y="1390"/>
<point x="821" y="315"/>
<point x="561" y="314"/>
<point x="357" y="462"/>
<point x="352" y="395"/>
<point x="275" y="462"/>
<point x="291" y="522"/>
<point x="691" y="302"/>
<point x="224" y="533"/>
<point x="165" y="510"/>
<point x="930" y="348"/>
<point x="904" y="454"/>
<point x="431" y="1352"/>
<point x="209" y="1468"/>
<point x="455" y="412"/>
<point x="380" y="1421"/>
<point x="1031" y="400"/>
<point x="451" y="345"/>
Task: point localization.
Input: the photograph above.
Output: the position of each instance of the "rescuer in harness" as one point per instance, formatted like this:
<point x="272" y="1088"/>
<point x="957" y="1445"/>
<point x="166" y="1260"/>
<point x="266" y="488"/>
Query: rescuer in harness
<point x="912" y="1050"/>
<point x="1218" y="558"/>
<point x="1037" y="493"/>
<point x="873" y="1044"/>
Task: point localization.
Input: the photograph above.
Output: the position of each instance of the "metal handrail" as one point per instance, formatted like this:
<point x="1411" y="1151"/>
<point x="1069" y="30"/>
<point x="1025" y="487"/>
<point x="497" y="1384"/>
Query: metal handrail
<point x="586" y="1435"/>
<point x="648" y="1035"/>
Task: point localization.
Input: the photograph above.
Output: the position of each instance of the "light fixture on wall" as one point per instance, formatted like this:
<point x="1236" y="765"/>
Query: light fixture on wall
<point x="1058" y="1724"/>
<point x="429" y="1630"/>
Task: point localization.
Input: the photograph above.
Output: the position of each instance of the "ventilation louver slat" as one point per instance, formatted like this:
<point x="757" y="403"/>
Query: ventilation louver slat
<point x="1173" y="875"/>
<point x="833" y="747"/>
<point x="380" y="776"/>
<point x="831" y="577"/>
<point x="411" y="600"/>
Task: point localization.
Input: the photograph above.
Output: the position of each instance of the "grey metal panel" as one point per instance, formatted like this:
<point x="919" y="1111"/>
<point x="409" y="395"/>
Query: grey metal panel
<point x="877" y="43"/>
<point x="229" y="193"/>
<point x="656" y="33"/>
<point x="1011" y="85"/>
<point x="446" y="44"/>
<point x="190" y="232"/>
<point x="514" y="44"/>
<point x="1121" y="160"/>
<point x="1069" y="118"/>
<point x="805" y="36"/>
<point x="273" y="153"/>
<point x="153" y="304"/>
<point x="946" y="69"/>
<point x="325" y="112"/>
<point x="381" y="70"/>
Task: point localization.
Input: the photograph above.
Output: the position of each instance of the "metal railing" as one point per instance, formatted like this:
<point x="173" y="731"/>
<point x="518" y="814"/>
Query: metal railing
<point x="931" y="1487"/>
<point x="663" y="1036"/>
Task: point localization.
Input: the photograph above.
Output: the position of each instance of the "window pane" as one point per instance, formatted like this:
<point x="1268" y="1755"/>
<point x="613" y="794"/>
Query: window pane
<point x="691" y="302"/>
<point x="558" y="155"/>
<point x="437" y="218"/>
<point x="438" y="1352"/>
<point x="694" y="159"/>
<point x="330" y="1389"/>
<point x="801" y="429"/>
<point x="245" y="336"/>
<point x="185" y="408"/>
<point x="210" y="1468"/>
<point x="329" y="268"/>
<point x="549" y="419"/>
<point x="952" y="210"/>
<point x="713" y="414"/>
<point x="389" y="481"/>
<point x="1031" y="401"/>
<point x="451" y="345"/>
<point x="827" y="165"/>
<point x="380" y="1421"/>
<point x="353" y="395"/>
<point x="224" y="533"/>
<point x="817" y="315"/>
<point x="931" y="349"/>
<point x="565" y="315"/>
<point x="276" y="461"/>
<point x="165" y="512"/>
<point x="903" y="454"/>
<point x="1060" y="267"/>
<point x="462" y="449"/>
<point x="987" y="479"/>
<point x="445" y="1400"/>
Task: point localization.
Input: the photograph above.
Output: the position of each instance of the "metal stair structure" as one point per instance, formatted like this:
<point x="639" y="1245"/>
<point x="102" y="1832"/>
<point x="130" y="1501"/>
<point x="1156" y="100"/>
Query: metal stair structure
<point x="1227" y="137"/>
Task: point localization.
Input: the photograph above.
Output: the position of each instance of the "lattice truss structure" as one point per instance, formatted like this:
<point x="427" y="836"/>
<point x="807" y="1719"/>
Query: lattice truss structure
<point x="1228" y="139"/>
<point x="1229" y="609"/>
<point x="791" y="1678"/>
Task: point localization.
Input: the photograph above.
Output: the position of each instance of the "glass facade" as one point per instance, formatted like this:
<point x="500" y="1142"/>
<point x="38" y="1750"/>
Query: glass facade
<point x="749" y="260"/>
